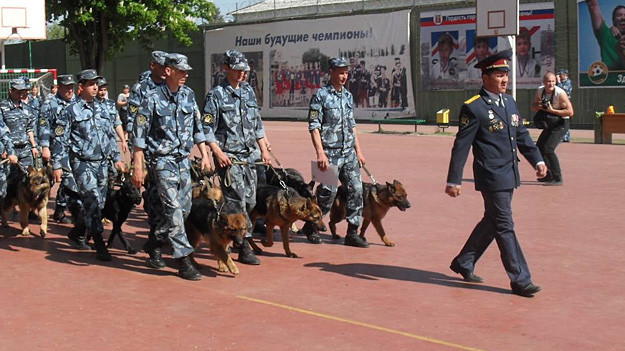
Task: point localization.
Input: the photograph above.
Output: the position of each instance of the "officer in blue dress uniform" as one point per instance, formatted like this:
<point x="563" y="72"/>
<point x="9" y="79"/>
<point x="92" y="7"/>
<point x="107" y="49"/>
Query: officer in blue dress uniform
<point x="490" y="123"/>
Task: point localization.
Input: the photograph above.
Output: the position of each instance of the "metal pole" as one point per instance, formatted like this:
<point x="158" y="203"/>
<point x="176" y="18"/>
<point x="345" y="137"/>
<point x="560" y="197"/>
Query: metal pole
<point x="30" y="54"/>
<point x="512" y="40"/>
<point x="3" y="52"/>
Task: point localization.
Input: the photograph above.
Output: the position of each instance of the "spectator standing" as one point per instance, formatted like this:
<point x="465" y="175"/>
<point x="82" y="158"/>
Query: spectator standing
<point x="554" y="101"/>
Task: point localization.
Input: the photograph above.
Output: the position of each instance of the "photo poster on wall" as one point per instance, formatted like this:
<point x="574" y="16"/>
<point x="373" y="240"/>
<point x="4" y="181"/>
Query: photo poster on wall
<point x="291" y="62"/>
<point x="601" y="43"/>
<point x="450" y="47"/>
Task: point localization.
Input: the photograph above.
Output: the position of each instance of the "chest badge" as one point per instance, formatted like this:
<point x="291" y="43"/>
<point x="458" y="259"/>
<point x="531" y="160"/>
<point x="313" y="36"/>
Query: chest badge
<point x="58" y="131"/>
<point x="141" y="120"/>
<point x="208" y="118"/>
<point x="491" y="114"/>
<point x="515" y="120"/>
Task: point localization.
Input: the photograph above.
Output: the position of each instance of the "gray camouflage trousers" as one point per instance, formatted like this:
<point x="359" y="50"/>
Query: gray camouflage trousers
<point x="92" y="182"/>
<point x="4" y="169"/>
<point x="238" y="185"/>
<point x="349" y="175"/>
<point x="172" y="182"/>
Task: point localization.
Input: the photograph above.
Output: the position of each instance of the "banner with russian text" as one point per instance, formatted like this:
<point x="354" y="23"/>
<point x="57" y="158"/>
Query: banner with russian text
<point x="289" y="62"/>
<point x="450" y="47"/>
<point x="601" y="39"/>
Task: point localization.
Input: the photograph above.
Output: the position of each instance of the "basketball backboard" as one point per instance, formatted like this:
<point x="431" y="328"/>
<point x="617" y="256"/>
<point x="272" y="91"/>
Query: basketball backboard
<point x="497" y="17"/>
<point x="24" y="19"/>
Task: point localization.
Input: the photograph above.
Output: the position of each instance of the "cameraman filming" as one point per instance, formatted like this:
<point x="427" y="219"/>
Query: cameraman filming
<point x="555" y="101"/>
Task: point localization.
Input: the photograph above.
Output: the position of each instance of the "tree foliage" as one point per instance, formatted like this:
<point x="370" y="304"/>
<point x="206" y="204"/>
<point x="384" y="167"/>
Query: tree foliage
<point x="98" y="29"/>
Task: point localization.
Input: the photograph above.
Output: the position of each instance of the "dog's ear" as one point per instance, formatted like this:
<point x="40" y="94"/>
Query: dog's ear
<point x="311" y="185"/>
<point x="31" y="169"/>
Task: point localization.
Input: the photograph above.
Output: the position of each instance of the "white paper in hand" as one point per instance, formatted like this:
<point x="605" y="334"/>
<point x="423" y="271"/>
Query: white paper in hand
<point x="328" y="177"/>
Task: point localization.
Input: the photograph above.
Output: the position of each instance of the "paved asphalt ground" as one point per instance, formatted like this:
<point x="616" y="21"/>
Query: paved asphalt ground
<point x="342" y="298"/>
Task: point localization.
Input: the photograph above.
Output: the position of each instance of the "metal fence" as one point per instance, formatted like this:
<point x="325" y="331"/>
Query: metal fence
<point x="254" y="10"/>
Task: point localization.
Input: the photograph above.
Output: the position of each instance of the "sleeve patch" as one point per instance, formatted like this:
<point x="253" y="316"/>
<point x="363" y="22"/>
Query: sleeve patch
<point x="59" y="131"/>
<point x="43" y="122"/>
<point x="313" y="114"/>
<point x="133" y="108"/>
<point x="464" y="120"/>
<point x="208" y="118"/>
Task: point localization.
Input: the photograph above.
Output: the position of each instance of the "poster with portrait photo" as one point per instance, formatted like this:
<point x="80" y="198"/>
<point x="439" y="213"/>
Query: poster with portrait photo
<point x="601" y="43"/>
<point x="254" y="77"/>
<point x="376" y="47"/>
<point x="535" y="47"/>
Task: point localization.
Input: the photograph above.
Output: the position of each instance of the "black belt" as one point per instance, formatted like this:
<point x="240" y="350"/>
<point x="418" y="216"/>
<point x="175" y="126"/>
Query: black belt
<point x="20" y="146"/>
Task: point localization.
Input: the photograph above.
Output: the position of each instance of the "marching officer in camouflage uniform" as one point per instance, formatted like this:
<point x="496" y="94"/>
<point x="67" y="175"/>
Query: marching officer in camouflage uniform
<point x="148" y="82"/>
<point x="21" y="121"/>
<point x="109" y="105"/>
<point x="6" y="151"/>
<point x="234" y="131"/>
<point x="167" y="125"/>
<point x="84" y="142"/>
<point x="333" y="131"/>
<point x="50" y="111"/>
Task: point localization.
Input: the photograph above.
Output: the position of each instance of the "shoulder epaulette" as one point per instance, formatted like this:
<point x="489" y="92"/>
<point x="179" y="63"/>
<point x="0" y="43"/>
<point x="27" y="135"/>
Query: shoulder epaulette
<point x="472" y="99"/>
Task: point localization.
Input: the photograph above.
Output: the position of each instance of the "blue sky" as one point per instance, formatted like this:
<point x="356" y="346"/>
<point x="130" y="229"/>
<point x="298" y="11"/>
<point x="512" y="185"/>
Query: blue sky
<point x="225" y="6"/>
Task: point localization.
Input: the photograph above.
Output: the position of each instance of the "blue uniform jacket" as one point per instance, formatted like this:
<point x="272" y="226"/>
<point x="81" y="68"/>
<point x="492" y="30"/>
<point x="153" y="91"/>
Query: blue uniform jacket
<point x="495" y="133"/>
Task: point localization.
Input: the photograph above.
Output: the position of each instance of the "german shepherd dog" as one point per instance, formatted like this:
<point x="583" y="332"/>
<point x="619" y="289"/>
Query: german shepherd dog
<point x="29" y="191"/>
<point x="219" y="224"/>
<point x="119" y="203"/>
<point x="377" y="200"/>
<point x="282" y="207"/>
<point x="294" y="179"/>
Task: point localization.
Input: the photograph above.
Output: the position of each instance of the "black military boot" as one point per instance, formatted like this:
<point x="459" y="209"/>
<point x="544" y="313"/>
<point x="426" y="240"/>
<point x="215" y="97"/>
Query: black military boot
<point x="186" y="269"/>
<point x="246" y="256"/>
<point x="152" y="248"/>
<point x="102" y="253"/>
<point x="353" y="239"/>
<point x="310" y="230"/>
<point x="77" y="239"/>
<point x="59" y="215"/>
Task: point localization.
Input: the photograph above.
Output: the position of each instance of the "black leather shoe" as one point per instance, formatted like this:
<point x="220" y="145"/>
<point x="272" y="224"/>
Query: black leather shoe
<point x="311" y="232"/>
<point x="466" y="274"/>
<point x="154" y="250"/>
<point x="103" y="255"/>
<point x="78" y="242"/>
<point x="355" y="240"/>
<point x="59" y="216"/>
<point x="246" y="256"/>
<point x="545" y="179"/>
<point x="526" y="291"/>
<point x="186" y="269"/>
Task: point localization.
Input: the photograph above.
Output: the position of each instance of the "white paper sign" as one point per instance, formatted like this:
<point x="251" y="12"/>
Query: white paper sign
<point x="328" y="177"/>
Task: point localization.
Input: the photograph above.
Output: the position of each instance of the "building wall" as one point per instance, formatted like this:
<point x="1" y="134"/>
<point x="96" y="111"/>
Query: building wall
<point x="128" y="64"/>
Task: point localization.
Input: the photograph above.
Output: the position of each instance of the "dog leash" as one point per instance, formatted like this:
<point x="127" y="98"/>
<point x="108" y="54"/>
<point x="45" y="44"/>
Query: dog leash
<point x="375" y="182"/>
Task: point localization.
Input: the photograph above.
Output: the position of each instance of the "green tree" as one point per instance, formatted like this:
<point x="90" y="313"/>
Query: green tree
<point x="98" y="29"/>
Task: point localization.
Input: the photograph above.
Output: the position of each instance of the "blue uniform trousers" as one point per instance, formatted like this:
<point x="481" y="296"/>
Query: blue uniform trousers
<point x="172" y="181"/>
<point x="496" y="224"/>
